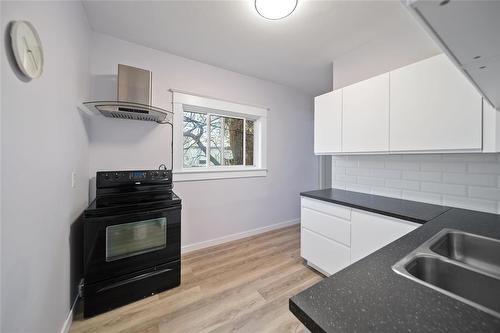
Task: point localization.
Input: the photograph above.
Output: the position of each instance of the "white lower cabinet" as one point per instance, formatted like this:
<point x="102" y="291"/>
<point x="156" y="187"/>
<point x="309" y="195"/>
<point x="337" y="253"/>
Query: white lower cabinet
<point x="371" y="232"/>
<point x="335" y="236"/>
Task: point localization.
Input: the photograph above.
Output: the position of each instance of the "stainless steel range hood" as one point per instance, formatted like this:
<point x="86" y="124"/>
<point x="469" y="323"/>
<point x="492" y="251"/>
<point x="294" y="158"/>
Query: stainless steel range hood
<point x="133" y="98"/>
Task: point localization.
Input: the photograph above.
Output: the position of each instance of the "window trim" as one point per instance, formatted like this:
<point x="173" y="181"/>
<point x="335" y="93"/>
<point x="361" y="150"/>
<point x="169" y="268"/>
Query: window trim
<point x="223" y="108"/>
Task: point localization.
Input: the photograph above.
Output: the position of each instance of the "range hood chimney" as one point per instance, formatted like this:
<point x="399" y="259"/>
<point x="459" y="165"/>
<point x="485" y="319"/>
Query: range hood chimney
<point x="133" y="98"/>
<point x="134" y="85"/>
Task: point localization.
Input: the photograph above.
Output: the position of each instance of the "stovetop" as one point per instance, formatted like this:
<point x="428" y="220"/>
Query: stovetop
<point x="136" y="203"/>
<point x="120" y="192"/>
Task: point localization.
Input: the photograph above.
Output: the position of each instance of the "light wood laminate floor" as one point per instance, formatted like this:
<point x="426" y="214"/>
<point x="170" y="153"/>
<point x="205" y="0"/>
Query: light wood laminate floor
<point x="241" y="286"/>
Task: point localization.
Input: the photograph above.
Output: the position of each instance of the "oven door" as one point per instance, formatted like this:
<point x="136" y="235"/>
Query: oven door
<point x="122" y="244"/>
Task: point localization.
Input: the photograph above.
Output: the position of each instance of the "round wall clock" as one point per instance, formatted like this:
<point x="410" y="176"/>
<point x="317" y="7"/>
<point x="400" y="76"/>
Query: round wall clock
<point x="27" y="48"/>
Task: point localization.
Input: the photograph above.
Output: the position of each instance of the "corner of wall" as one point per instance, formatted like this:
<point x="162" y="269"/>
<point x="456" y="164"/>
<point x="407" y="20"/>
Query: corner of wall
<point x="1" y="159"/>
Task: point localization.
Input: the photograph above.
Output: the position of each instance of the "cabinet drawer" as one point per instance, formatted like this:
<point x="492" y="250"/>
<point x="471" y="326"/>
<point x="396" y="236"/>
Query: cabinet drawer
<point x="327" y="208"/>
<point x="327" y="255"/>
<point x="329" y="226"/>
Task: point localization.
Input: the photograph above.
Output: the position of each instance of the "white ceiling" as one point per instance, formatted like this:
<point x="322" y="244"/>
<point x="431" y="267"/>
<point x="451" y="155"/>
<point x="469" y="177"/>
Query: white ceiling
<point x="297" y="51"/>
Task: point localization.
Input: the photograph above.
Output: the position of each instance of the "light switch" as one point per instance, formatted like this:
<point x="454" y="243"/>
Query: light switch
<point x="73" y="179"/>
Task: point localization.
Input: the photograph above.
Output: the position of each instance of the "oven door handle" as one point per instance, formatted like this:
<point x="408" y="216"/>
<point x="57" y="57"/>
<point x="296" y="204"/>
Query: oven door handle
<point x="133" y="279"/>
<point x="159" y="210"/>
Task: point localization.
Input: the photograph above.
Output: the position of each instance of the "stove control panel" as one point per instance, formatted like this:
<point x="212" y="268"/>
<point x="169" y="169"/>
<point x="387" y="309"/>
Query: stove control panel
<point x="135" y="177"/>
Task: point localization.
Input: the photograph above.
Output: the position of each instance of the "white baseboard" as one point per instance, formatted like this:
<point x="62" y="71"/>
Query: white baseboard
<point x="69" y="318"/>
<point x="232" y="237"/>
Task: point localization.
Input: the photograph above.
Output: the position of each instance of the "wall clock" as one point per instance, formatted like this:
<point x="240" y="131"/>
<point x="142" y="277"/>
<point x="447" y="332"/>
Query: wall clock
<point x="27" y="48"/>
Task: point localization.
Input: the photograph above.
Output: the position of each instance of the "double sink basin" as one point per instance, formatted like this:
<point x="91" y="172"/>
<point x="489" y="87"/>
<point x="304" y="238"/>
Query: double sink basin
<point x="461" y="265"/>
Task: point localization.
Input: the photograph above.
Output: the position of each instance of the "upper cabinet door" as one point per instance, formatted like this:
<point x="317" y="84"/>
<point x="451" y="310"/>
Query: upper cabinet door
<point x="433" y="107"/>
<point x="328" y="123"/>
<point x="365" y="118"/>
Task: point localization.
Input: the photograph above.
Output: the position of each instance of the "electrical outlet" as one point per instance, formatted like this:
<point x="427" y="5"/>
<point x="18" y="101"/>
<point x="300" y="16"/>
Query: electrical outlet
<point x="73" y="179"/>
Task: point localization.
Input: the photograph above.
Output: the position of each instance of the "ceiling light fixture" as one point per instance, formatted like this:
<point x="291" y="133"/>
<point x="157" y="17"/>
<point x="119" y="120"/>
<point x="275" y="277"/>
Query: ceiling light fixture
<point x="275" y="9"/>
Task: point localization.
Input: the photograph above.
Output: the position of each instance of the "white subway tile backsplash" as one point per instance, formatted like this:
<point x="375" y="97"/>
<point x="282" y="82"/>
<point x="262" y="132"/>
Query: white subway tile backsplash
<point x="358" y="188"/>
<point x="470" y="181"/>
<point x="386" y="192"/>
<point x="492" y="168"/>
<point x="431" y="176"/>
<point x="368" y="157"/>
<point x="492" y="193"/>
<point x="347" y="179"/>
<point x="422" y="197"/>
<point x="371" y="164"/>
<point x="378" y="157"/>
<point x="371" y="181"/>
<point x="469" y="203"/>
<point x="443" y="188"/>
<point x="422" y="158"/>
<point x="338" y="184"/>
<point x="398" y="165"/>
<point x="382" y="173"/>
<point x="336" y="170"/>
<point x="402" y="184"/>
<point x="344" y="162"/>
<point x="359" y="172"/>
<point x="443" y="166"/>
<point x="472" y="157"/>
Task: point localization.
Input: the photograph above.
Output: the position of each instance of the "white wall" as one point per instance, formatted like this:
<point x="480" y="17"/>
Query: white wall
<point x="470" y="181"/>
<point x="216" y="208"/>
<point x="383" y="53"/>
<point x="43" y="140"/>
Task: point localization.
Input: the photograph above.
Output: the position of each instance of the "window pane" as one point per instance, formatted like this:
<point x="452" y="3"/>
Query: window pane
<point x="249" y="142"/>
<point x="195" y="139"/>
<point x="215" y="140"/>
<point x="233" y="141"/>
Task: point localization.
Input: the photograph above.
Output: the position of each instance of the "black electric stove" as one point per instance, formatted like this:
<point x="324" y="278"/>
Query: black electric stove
<point x="132" y="234"/>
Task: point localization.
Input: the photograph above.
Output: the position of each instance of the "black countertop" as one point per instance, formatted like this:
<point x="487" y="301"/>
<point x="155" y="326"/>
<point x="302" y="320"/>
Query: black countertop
<point x="368" y="296"/>
<point x="414" y="211"/>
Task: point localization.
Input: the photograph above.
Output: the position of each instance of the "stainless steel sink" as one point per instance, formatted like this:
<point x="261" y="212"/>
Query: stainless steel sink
<point x="473" y="250"/>
<point x="458" y="264"/>
<point x="473" y="286"/>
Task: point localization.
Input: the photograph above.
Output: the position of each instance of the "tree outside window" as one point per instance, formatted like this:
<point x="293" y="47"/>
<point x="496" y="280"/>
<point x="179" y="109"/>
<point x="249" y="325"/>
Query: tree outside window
<point x="224" y="141"/>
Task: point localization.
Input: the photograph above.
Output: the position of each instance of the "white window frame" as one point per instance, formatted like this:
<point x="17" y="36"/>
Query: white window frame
<point x="226" y="109"/>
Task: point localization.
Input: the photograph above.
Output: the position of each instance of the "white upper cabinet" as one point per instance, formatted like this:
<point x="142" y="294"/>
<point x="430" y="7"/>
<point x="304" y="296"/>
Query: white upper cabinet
<point x="328" y="123"/>
<point x="428" y="106"/>
<point x="365" y="118"/>
<point x="433" y="107"/>
<point x="491" y="128"/>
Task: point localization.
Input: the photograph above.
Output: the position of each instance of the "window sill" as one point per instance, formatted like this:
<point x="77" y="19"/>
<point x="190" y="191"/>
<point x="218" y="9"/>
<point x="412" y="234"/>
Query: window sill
<point x="194" y="175"/>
